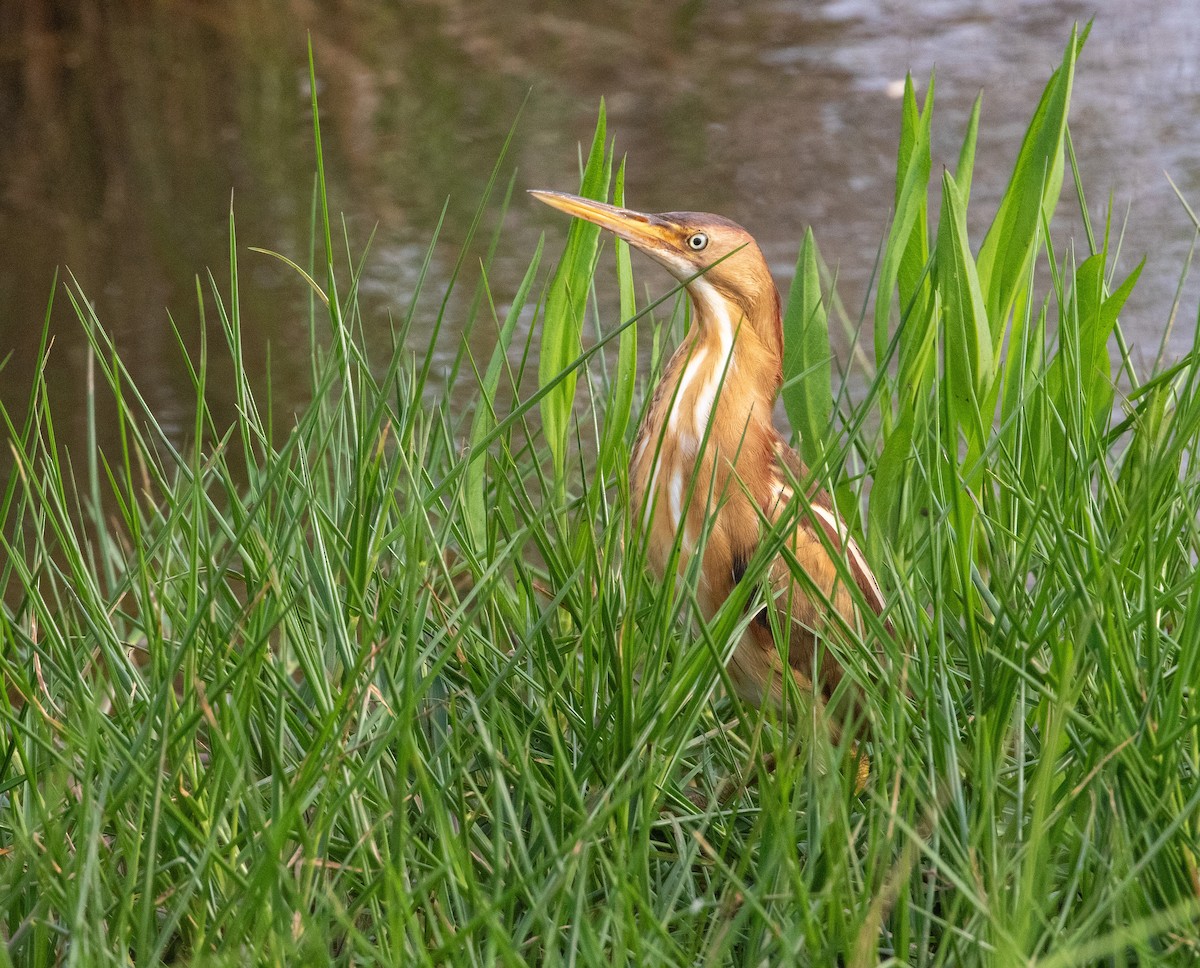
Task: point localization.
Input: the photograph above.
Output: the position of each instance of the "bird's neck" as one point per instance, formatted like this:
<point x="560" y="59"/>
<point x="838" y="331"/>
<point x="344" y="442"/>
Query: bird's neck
<point x="726" y="374"/>
<point x="709" y="430"/>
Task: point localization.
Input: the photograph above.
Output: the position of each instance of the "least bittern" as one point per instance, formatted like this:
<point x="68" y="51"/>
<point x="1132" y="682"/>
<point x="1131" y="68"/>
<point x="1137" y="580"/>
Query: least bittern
<point x="708" y="433"/>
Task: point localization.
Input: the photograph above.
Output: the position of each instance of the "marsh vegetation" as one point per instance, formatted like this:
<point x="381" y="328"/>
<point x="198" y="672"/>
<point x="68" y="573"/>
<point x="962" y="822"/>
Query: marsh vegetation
<point x="375" y="679"/>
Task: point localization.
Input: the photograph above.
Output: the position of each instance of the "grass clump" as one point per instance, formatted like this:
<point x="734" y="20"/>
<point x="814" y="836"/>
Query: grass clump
<point x="389" y="685"/>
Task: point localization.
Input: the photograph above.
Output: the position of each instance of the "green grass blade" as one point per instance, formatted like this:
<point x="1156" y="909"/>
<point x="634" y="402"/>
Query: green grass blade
<point x="484" y="420"/>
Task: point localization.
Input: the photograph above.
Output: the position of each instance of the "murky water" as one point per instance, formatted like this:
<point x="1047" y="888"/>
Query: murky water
<point x="126" y="128"/>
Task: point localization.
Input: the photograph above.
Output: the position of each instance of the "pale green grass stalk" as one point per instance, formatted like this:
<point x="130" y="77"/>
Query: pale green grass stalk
<point x="377" y="683"/>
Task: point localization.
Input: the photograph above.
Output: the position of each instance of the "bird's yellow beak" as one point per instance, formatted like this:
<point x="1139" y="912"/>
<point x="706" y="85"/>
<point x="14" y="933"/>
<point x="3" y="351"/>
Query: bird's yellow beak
<point x="651" y="233"/>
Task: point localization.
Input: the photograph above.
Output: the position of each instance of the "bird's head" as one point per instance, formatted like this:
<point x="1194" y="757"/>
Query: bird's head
<point x="708" y="252"/>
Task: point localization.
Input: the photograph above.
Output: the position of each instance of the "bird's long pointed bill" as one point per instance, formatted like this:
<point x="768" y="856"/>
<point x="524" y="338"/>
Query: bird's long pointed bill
<point x="646" y="232"/>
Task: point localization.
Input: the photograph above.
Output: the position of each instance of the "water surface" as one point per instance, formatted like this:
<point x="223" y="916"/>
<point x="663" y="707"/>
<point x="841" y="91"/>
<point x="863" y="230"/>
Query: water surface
<point x="126" y="130"/>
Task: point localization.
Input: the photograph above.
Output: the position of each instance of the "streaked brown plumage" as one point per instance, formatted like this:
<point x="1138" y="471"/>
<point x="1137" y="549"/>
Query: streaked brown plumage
<point x="723" y="380"/>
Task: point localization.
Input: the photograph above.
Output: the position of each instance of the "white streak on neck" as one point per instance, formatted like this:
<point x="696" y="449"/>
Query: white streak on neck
<point x="640" y="452"/>
<point x="675" y="498"/>
<point x="651" y="495"/>
<point x="714" y="307"/>
<point x="689" y="374"/>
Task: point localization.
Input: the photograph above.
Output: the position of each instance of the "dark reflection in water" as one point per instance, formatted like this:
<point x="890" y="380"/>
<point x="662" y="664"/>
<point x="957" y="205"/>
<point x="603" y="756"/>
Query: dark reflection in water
<point x="126" y="128"/>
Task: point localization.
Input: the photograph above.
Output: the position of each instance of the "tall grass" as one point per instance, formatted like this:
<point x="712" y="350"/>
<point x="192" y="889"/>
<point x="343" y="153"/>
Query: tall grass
<point x="378" y="683"/>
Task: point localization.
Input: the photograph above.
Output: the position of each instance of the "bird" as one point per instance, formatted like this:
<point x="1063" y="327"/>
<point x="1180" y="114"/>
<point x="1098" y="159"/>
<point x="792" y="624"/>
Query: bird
<point x="708" y="433"/>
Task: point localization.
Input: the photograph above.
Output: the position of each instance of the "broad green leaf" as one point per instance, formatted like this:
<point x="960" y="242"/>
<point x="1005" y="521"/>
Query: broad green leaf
<point x="915" y="359"/>
<point x="965" y="169"/>
<point x="1007" y="253"/>
<point x="566" y="299"/>
<point x="1024" y="416"/>
<point x="1097" y="319"/>
<point x="1082" y="369"/>
<point x="914" y="151"/>
<point x="886" y="511"/>
<point x="911" y="191"/>
<point x="807" y="385"/>
<point x="966" y="335"/>
<point x="620" y="400"/>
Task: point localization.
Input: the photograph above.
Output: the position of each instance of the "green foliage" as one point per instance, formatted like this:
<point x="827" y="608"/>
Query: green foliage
<point x="1007" y="254"/>
<point x="566" y="299"/>
<point x="327" y="687"/>
<point x="807" y="394"/>
<point x="617" y="412"/>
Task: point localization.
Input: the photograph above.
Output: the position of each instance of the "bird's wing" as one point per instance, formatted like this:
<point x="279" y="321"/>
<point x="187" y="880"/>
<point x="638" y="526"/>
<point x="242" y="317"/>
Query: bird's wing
<point x="793" y="473"/>
<point x="819" y="538"/>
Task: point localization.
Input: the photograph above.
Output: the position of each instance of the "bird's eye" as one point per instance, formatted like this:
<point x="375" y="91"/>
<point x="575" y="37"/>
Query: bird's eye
<point x="697" y="241"/>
